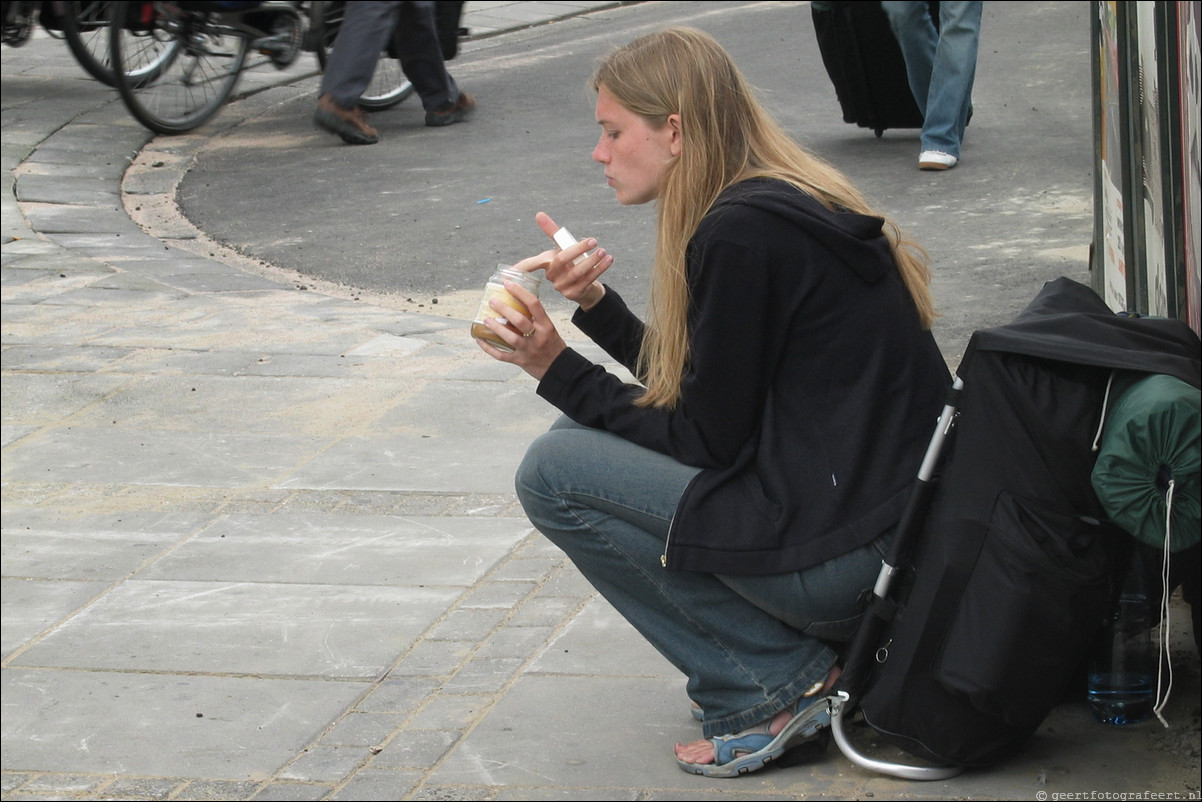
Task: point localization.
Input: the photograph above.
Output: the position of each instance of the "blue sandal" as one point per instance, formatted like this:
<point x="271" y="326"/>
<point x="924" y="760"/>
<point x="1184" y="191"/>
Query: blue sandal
<point x="754" y="747"/>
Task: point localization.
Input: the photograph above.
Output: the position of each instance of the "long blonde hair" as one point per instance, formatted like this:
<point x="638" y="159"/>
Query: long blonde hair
<point x="726" y="137"/>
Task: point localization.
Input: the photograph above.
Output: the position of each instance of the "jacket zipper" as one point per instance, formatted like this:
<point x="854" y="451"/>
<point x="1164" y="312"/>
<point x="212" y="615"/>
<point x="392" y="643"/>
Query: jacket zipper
<point x="663" y="558"/>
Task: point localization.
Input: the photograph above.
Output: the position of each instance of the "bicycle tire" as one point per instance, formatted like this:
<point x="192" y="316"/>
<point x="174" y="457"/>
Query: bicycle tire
<point x="86" y="29"/>
<point x="194" y="83"/>
<point x="388" y="85"/>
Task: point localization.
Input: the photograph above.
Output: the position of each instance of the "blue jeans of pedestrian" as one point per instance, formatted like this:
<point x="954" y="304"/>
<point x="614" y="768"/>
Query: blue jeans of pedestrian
<point x="940" y="65"/>
<point x="749" y="645"/>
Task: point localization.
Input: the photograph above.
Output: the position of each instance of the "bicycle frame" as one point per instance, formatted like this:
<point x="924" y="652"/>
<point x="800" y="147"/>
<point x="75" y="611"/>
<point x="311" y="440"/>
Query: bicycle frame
<point x="257" y="22"/>
<point x="208" y="44"/>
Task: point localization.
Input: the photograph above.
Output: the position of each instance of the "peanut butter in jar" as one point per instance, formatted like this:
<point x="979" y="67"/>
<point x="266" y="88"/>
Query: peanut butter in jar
<point x="495" y="288"/>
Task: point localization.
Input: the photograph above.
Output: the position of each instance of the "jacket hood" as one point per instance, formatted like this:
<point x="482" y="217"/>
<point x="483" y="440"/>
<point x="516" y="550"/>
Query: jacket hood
<point x="857" y="239"/>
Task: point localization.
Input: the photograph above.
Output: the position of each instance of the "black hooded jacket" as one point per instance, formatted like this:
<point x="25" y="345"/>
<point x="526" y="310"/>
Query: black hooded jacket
<point x="811" y="391"/>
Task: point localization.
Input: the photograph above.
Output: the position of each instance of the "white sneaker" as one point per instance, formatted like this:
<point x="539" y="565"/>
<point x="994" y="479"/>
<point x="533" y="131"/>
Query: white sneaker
<point x="936" y="160"/>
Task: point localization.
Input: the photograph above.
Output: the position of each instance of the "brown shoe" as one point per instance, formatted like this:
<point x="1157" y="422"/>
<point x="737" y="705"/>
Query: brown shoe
<point x="349" y="124"/>
<point x="459" y="110"/>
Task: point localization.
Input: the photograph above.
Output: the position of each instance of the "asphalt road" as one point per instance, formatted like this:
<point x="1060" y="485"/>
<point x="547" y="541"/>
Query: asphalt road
<point x="425" y="215"/>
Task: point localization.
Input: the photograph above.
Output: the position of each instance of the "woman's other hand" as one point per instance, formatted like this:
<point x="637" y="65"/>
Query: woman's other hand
<point x="578" y="281"/>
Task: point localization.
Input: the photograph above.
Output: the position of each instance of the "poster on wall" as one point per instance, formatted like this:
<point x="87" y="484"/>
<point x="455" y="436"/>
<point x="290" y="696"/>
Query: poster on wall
<point x="1151" y="226"/>
<point x="1189" y="71"/>
<point x="1147" y="202"/>
<point x="1108" y="204"/>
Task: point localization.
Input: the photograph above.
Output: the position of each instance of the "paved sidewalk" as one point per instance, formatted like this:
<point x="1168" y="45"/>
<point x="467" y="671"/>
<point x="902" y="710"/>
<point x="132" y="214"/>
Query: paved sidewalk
<point x="260" y="541"/>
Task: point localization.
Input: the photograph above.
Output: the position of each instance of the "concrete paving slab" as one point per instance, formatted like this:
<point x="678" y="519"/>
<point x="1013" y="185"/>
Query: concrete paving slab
<point x="162" y="725"/>
<point x="46" y="400"/>
<point x="205" y="282"/>
<point x="60" y="359"/>
<point x="586" y="645"/>
<point x="97" y="169"/>
<point x="268" y="405"/>
<point x="51" y="288"/>
<point x="343" y="549"/>
<point x="96" y="293"/>
<point x="30" y="244"/>
<point x="68" y="189"/>
<point x="324" y="764"/>
<point x="378" y="784"/>
<point x="198" y="459"/>
<point x="411" y="464"/>
<point x="509" y="747"/>
<point x="54" y="259"/>
<point x="11" y="434"/>
<point x="32" y="606"/>
<point x="238" y="627"/>
<point x="106" y="244"/>
<point x="80" y="555"/>
<point x="49" y="325"/>
<point x="401" y="695"/>
<point x="62" y="219"/>
<point x="173" y="362"/>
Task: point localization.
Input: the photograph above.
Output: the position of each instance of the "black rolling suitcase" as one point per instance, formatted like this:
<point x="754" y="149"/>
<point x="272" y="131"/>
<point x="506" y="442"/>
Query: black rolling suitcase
<point x="1005" y="561"/>
<point x="865" y="64"/>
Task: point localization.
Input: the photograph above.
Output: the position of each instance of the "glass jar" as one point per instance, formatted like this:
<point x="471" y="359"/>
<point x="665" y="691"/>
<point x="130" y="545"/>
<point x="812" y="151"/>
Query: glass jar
<point x="495" y="288"/>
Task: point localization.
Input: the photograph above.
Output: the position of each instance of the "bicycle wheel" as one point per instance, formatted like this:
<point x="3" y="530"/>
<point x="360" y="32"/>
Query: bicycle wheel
<point x="86" y="29"/>
<point x="194" y="82"/>
<point x="388" y="85"/>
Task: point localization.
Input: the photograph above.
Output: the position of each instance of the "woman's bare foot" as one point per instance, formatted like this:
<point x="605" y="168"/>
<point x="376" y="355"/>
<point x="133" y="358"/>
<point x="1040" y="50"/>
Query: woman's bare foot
<point x="701" y="751"/>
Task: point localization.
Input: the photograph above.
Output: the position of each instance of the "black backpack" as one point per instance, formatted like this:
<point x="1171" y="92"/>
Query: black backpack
<point x="1014" y="563"/>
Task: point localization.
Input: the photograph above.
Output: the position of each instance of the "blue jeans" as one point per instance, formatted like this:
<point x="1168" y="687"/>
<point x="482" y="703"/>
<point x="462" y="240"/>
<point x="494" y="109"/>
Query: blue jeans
<point x="940" y="65"/>
<point x="749" y="645"/>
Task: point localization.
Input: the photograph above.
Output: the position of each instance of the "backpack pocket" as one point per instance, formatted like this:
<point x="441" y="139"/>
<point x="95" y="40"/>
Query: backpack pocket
<point x="1037" y="594"/>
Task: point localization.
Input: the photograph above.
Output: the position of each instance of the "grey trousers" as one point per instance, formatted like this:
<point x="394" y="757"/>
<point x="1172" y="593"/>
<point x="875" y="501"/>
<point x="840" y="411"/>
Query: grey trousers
<point x="366" y="30"/>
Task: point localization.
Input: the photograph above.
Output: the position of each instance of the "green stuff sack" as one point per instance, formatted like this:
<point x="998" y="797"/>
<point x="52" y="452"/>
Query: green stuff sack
<point x="1152" y="435"/>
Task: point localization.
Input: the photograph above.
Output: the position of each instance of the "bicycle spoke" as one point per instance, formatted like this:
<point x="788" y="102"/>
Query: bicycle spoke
<point x="194" y="82"/>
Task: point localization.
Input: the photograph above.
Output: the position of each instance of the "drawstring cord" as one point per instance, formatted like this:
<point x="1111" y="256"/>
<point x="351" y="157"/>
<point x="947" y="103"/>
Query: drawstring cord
<point x="1162" y="641"/>
<point x="1102" y="420"/>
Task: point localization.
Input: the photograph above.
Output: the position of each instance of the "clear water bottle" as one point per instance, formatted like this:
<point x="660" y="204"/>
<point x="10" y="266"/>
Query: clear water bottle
<point x="1122" y="669"/>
